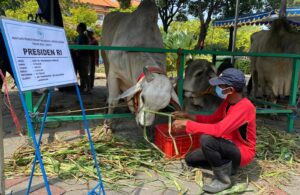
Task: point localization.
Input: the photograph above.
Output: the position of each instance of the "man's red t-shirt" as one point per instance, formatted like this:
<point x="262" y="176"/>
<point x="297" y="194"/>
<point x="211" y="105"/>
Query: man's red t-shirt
<point x="232" y="122"/>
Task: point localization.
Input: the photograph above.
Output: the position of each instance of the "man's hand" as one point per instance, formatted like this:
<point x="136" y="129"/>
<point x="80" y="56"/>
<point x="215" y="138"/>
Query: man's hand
<point x="179" y="125"/>
<point x="183" y="115"/>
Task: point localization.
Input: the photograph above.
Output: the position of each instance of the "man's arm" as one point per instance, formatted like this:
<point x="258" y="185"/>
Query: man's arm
<point x="215" y="117"/>
<point x="231" y="122"/>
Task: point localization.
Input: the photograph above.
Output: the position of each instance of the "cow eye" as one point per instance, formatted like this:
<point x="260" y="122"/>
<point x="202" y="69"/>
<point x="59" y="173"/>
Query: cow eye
<point x="199" y="73"/>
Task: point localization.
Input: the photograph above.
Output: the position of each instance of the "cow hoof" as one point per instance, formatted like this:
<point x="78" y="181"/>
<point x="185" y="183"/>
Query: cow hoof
<point x="103" y="133"/>
<point x="107" y="129"/>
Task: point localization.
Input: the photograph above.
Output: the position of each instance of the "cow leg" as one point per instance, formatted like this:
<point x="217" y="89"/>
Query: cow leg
<point x="1" y="81"/>
<point x="10" y="71"/>
<point x="105" y="62"/>
<point x="5" y="67"/>
<point x="113" y="92"/>
<point x="272" y="95"/>
<point x="254" y="81"/>
<point x="249" y="86"/>
<point x="274" y="116"/>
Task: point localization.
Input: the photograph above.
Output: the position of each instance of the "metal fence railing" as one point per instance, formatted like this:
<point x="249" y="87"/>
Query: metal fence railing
<point x="275" y="109"/>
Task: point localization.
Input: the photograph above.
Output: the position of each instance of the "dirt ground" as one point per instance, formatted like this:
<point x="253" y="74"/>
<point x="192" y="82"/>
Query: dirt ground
<point x="63" y="101"/>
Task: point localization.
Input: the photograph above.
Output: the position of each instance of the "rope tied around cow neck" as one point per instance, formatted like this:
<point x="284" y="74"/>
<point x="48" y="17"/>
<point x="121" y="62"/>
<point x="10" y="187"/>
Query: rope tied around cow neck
<point x="169" y="131"/>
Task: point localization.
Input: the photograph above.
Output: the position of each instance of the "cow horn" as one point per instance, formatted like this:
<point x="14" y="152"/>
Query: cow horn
<point x="148" y="75"/>
<point x="174" y="80"/>
<point x="175" y="101"/>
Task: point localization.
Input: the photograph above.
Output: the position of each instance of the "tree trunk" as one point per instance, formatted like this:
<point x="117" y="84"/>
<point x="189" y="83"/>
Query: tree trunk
<point x="166" y="26"/>
<point x="202" y="36"/>
<point x="231" y="30"/>
<point x="164" y="19"/>
<point x="282" y="13"/>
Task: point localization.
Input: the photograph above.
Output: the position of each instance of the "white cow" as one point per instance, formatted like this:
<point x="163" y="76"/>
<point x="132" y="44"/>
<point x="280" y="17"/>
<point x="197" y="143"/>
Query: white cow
<point x="136" y="74"/>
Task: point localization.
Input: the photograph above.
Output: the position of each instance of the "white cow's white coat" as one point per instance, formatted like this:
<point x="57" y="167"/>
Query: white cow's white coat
<point x="138" y="29"/>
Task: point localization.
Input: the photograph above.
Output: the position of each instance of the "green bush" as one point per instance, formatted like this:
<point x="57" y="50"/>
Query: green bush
<point x="174" y="40"/>
<point x="203" y="57"/>
<point x="185" y="34"/>
<point x="243" y="65"/>
<point x="127" y="10"/>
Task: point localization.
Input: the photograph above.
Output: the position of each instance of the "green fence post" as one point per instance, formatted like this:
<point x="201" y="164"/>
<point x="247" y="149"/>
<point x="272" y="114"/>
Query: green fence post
<point x="180" y="82"/>
<point x="28" y="99"/>
<point x="39" y="102"/>
<point x="293" y="93"/>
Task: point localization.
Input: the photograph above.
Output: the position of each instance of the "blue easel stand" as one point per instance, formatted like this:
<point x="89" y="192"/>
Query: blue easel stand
<point x="98" y="189"/>
<point x="40" y="139"/>
<point x="36" y="145"/>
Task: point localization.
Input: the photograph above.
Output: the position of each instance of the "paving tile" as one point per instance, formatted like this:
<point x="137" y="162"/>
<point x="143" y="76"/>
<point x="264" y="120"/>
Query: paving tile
<point x="54" y="191"/>
<point x="12" y="182"/>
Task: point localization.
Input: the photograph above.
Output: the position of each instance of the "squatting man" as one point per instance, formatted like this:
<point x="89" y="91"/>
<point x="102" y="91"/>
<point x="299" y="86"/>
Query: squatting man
<point x="228" y="136"/>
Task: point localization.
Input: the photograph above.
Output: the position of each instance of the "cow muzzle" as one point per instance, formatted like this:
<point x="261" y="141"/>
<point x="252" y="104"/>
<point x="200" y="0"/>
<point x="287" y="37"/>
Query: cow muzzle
<point x="145" y="118"/>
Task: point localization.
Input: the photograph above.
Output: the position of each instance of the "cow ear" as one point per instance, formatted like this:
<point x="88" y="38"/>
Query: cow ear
<point x="189" y="58"/>
<point x="148" y="75"/>
<point x="173" y="80"/>
<point x="189" y="61"/>
<point x="212" y="71"/>
<point x="131" y="91"/>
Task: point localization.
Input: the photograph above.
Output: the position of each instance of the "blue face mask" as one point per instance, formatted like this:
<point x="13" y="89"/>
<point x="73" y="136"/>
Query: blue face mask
<point x="219" y="92"/>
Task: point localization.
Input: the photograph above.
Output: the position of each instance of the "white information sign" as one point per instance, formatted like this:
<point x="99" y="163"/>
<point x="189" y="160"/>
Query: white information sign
<point x="39" y="54"/>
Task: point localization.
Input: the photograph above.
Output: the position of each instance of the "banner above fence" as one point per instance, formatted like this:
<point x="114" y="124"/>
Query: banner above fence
<point x="263" y="18"/>
<point x="39" y="54"/>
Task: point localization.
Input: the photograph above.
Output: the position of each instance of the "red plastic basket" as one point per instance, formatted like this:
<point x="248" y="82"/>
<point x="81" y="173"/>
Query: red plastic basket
<point x="164" y="142"/>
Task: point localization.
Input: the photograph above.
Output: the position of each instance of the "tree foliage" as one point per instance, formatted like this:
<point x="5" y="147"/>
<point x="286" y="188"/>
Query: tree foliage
<point x="8" y="4"/>
<point x="124" y="4"/>
<point x="77" y="15"/>
<point x="127" y="10"/>
<point x="184" y="35"/>
<point x="205" y="10"/>
<point x="72" y="15"/>
<point x="217" y="38"/>
<point x="25" y="8"/>
<point x="181" y="35"/>
<point x="168" y="12"/>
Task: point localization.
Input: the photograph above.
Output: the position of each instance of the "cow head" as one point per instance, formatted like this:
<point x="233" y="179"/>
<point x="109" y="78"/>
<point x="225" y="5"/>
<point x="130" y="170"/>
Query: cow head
<point x="197" y="74"/>
<point x="198" y="94"/>
<point x="154" y="91"/>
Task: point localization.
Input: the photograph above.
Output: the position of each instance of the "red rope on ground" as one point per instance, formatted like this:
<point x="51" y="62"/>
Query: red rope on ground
<point x="10" y="107"/>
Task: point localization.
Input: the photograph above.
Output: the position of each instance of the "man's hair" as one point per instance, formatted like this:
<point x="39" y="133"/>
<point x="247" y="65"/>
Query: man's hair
<point x="82" y="26"/>
<point x="238" y="90"/>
